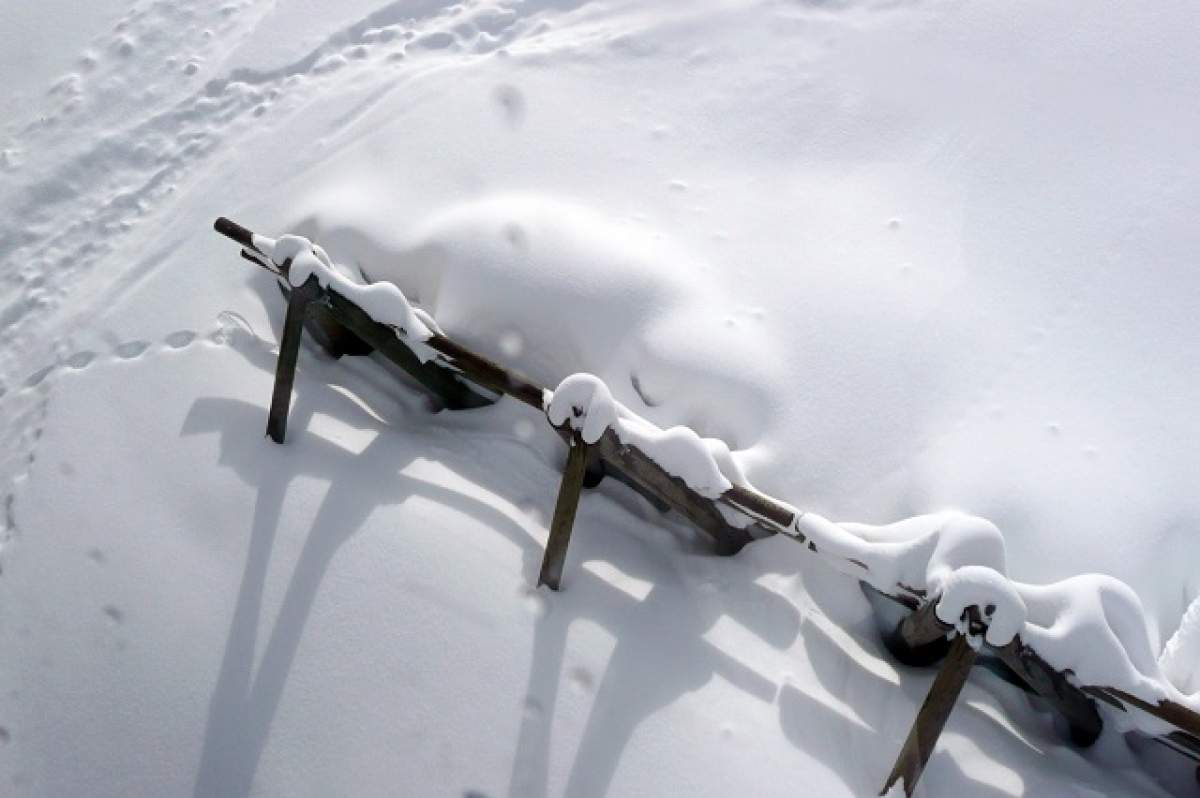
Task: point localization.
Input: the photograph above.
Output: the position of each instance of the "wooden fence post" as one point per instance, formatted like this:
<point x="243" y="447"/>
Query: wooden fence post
<point x="289" y="352"/>
<point x="564" y="513"/>
<point x="934" y="713"/>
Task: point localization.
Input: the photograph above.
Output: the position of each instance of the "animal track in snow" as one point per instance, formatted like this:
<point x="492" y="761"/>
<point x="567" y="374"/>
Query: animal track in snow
<point x="130" y="349"/>
<point x="180" y="339"/>
<point x="22" y="451"/>
<point x="127" y="350"/>
<point x="80" y="360"/>
<point x="133" y="161"/>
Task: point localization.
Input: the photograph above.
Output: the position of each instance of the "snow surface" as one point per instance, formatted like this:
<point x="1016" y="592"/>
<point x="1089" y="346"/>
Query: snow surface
<point x="902" y="257"/>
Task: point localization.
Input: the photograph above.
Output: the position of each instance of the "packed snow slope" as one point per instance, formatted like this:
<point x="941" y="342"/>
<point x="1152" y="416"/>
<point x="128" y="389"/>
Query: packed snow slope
<point x="902" y="257"/>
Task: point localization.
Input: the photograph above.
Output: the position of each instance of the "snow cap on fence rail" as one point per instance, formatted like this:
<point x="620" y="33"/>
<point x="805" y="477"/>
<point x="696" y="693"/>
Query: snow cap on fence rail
<point x="706" y="465"/>
<point x="383" y="302"/>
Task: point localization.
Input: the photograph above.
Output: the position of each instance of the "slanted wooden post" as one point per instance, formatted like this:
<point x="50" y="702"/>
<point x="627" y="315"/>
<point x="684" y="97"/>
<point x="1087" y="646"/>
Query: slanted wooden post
<point x="934" y="712"/>
<point x="289" y="352"/>
<point x="564" y="513"/>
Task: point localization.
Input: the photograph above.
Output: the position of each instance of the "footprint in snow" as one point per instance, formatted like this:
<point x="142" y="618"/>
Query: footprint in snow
<point x="131" y="349"/>
<point x="180" y="339"/>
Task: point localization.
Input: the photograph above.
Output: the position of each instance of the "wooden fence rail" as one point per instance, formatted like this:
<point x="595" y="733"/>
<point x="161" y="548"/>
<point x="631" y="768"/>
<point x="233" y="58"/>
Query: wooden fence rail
<point x="460" y="378"/>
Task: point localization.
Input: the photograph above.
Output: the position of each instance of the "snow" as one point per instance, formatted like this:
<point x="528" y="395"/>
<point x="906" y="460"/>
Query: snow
<point x="382" y="301"/>
<point x="958" y="558"/>
<point x="584" y="403"/>
<point x="924" y="261"/>
<point x="1182" y="651"/>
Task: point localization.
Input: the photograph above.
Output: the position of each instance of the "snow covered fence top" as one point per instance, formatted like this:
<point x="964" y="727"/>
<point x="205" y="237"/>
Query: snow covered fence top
<point x="1084" y="636"/>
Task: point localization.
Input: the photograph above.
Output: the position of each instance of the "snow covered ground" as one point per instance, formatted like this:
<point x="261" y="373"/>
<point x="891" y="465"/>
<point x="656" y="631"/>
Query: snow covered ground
<point x="900" y="256"/>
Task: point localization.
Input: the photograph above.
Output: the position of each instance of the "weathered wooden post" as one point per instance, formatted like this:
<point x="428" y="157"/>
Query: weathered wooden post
<point x="935" y="710"/>
<point x="564" y="513"/>
<point x="299" y="301"/>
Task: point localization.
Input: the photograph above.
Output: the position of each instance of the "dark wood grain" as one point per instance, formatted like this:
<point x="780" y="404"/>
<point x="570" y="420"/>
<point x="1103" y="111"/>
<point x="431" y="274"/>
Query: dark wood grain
<point x="564" y="514"/>
<point x="289" y="353"/>
<point x="932" y="717"/>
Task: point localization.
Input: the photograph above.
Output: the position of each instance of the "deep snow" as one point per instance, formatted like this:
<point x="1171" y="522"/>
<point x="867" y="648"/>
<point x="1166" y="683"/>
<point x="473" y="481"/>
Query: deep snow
<point x="901" y="257"/>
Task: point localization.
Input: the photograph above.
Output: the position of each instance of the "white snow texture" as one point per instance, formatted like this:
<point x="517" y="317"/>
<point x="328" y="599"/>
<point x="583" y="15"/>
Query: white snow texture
<point x="919" y="264"/>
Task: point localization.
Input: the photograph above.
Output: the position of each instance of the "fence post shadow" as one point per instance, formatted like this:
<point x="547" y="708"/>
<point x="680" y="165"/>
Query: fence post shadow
<point x="244" y="700"/>
<point x="660" y="654"/>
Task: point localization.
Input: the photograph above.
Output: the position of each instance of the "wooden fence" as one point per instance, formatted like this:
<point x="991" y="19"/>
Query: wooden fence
<point x="461" y="379"/>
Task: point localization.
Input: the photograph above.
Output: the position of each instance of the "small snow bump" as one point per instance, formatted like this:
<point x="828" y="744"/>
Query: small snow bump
<point x="113" y="613"/>
<point x="678" y="186"/>
<point x="893" y="223"/>
<point x="438" y="40"/>
<point x="97" y="556"/>
<point x="5" y="735"/>
<point x="330" y="64"/>
<point x="1054" y="428"/>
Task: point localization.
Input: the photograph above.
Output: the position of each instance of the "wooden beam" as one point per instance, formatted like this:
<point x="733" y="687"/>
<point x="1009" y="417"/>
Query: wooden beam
<point x="932" y="716"/>
<point x="447" y="385"/>
<point x="1185" y="720"/>
<point x="564" y="513"/>
<point x="1079" y="710"/>
<point x="289" y="352"/>
<point x="701" y="511"/>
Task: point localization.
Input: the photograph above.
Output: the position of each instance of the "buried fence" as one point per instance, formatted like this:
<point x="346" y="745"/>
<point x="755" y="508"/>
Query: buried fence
<point x="941" y="576"/>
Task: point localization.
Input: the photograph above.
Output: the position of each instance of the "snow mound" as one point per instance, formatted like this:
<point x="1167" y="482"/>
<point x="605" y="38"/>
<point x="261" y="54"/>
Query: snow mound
<point x="552" y="288"/>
